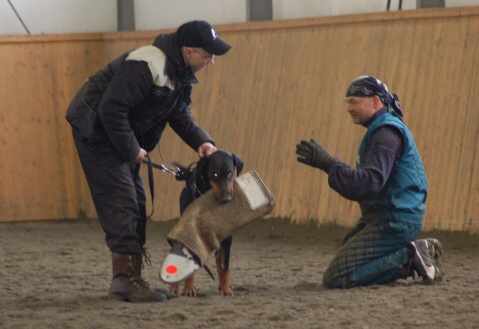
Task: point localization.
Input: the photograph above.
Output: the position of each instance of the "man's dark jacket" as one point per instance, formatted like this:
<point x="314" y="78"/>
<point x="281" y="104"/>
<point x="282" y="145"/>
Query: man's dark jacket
<point x="127" y="104"/>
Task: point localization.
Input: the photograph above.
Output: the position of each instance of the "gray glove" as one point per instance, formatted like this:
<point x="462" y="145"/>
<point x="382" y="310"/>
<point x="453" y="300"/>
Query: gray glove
<point x="313" y="154"/>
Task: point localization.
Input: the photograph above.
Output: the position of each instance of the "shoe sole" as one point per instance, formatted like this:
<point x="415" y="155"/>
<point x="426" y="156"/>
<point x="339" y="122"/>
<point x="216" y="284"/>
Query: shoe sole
<point x="122" y="297"/>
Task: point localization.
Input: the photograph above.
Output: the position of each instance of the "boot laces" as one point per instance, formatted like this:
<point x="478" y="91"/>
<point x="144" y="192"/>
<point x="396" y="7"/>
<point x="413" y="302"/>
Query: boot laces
<point x="138" y="262"/>
<point x="144" y="255"/>
<point x="135" y="267"/>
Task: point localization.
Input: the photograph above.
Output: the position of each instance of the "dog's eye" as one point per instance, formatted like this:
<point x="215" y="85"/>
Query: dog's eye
<point x="219" y="175"/>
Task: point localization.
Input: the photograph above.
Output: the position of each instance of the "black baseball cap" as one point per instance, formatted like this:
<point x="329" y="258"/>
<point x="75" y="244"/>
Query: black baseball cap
<point x="200" y="34"/>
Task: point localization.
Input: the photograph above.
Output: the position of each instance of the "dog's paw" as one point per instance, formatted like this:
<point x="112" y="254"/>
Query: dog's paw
<point x="189" y="289"/>
<point x="226" y="290"/>
<point x="189" y="292"/>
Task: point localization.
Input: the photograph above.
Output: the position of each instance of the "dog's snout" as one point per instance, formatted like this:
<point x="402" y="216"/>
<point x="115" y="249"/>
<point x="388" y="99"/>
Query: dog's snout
<point x="223" y="195"/>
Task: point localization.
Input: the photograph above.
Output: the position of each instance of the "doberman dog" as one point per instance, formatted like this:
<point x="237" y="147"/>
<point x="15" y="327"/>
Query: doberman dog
<point x="217" y="172"/>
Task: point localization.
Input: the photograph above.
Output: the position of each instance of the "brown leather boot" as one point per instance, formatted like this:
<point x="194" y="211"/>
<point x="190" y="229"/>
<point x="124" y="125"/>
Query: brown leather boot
<point x="127" y="284"/>
<point x="144" y="255"/>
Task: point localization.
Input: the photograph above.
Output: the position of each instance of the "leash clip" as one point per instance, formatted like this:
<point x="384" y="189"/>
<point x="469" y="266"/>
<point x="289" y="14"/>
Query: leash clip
<point x="163" y="168"/>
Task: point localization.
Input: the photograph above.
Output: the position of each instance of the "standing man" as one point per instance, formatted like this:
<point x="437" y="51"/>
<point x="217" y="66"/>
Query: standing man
<point x="390" y="185"/>
<point x="117" y="117"/>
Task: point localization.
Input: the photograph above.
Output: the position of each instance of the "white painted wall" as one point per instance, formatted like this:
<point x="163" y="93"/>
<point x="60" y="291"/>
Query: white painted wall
<point x="294" y="9"/>
<point x="288" y="9"/>
<point x="58" y="16"/>
<point x="79" y="16"/>
<point x="170" y="14"/>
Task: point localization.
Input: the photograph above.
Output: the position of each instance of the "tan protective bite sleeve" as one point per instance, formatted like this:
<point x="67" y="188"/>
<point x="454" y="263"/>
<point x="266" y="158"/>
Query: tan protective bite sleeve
<point x="206" y="222"/>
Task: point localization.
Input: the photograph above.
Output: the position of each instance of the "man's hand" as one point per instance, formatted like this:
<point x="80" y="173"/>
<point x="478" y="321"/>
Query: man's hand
<point x="140" y="157"/>
<point x="313" y="154"/>
<point x="206" y="149"/>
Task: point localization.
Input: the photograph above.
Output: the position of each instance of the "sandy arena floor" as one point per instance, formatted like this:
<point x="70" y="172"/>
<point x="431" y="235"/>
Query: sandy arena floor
<point x="57" y="274"/>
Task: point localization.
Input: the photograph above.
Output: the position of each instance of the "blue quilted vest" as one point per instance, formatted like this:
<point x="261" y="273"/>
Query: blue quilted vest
<point x="404" y="195"/>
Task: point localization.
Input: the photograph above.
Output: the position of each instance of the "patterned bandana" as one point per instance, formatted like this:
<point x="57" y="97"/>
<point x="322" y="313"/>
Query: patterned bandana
<point x="366" y="86"/>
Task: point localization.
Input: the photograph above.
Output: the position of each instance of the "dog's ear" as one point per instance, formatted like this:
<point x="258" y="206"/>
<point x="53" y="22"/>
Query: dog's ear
<point x="238" y="163"/>
<point x="201" y="167"/>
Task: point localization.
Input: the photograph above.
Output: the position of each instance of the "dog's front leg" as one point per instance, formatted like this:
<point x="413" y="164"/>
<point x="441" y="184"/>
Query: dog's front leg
<point x="224" y="287"/>
<point x="223" y="267"/>
<point x="189" y="289"/>
<point x="223" y="274"/>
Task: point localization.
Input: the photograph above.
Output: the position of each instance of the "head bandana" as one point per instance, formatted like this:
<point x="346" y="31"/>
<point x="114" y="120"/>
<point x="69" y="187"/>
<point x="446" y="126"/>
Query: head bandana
<point x="366" y="86"/>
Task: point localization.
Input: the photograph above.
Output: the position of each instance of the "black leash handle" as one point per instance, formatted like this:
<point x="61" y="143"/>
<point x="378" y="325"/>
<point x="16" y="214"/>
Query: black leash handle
<point x="151" y="182"/>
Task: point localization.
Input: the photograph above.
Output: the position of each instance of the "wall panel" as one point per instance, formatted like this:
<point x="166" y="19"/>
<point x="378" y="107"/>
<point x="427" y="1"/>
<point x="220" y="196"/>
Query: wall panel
<point x="41" y="177"/>
<point x="283" y="81"/>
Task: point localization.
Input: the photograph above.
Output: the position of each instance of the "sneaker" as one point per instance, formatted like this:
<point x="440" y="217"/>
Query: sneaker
<point x="436" y="251"/>
<point x="423" y="261"/>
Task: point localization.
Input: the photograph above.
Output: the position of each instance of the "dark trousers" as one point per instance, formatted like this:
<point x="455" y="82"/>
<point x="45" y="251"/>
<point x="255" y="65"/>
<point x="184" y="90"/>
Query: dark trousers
<point x="118" y="195"/>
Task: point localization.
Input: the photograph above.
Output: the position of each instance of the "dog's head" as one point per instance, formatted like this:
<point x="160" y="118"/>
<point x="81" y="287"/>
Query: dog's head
<point x="218" y="169"/>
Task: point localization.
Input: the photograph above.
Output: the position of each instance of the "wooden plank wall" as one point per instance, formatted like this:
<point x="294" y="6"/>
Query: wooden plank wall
<point x="282" y="82"/>
<point x="41" y="177"/>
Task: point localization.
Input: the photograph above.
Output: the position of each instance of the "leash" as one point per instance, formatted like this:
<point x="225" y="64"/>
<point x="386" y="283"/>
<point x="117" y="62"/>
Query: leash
<point x="161" y="167"/>
<point x="151" y="180"/>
